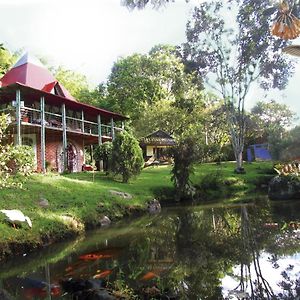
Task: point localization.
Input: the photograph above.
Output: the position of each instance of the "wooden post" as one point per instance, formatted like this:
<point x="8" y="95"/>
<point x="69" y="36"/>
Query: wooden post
<point x="99" y="130"/>
<point x="82" y="121"/>
<point x="43" y="136"/>
<point x="18" y="117"/>
<point x="65" y="142"/>
<point x="112" y="129"/>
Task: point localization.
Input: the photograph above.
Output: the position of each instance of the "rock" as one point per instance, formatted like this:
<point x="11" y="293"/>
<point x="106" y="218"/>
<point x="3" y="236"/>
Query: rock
<point x="284" y="188"/>
<point x="105" y="221"/>
<point x="44" y="203"/>
<point x="86" y="289"/>
<point x="72" y="222"/>
<point x="121" y="194"/>
<point x="154" y="206"/>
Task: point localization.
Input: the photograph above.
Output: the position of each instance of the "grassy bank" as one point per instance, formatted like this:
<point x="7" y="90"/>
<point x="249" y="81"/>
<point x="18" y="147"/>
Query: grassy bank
<point x="79" y="201"/>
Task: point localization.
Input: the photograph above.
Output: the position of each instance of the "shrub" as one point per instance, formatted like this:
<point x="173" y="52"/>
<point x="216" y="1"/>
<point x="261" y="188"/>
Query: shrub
<point x="185" y="154"/>
<point x="104" y="153"/>
<point x="16" y="162"/>
<point x="127" y="157"/>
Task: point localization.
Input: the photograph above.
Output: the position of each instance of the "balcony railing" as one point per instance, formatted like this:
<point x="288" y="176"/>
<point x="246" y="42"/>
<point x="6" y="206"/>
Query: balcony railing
<point x="32" y="116"/>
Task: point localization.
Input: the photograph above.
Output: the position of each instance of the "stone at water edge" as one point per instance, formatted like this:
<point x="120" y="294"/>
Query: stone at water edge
<point x="105" y="221"/>
<point x="121" y="194"/>
<point x="284" y="188"/>
<point x="154" y="206"/>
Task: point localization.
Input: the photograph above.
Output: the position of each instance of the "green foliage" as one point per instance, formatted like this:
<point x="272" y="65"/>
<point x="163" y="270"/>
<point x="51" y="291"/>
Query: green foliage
<point x="140" y="4"/>
<point x="154" y="90"/>
<point x="6" y="59"/>
<point x="287" y="147"/>
<point x="268" y="122"/>
<point x="74" y="82"/>
<point x="236" y="55"/>
<point x="20" y="160"/>
<point x="127" y="157"/>
<point x="16" y="162"/>
<point x="104" y="152"/>
<point x="185" y="154"/>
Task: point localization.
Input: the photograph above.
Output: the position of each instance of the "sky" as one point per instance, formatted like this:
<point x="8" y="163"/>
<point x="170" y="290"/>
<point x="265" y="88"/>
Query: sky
<point x="89" y="36"/>
<point x="271" y="275"/>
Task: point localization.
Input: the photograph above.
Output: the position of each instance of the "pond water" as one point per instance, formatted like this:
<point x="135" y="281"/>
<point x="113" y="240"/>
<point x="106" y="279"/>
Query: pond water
<point x="199" y="252"/>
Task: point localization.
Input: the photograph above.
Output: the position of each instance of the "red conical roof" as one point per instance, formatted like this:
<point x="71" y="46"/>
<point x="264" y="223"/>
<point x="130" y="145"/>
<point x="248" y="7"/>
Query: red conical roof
<point x="30" y="71"/>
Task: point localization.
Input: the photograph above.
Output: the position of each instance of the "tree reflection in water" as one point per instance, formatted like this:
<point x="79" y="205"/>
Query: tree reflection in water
<point x="188" y="253"/>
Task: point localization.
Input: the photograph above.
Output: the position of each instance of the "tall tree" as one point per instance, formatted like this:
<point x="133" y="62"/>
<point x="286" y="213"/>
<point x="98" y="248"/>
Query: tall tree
<point x="6" y="59"/>
<point x="74" y="82"/>
<point x="271" y="118"/>
<point x="152" y="83"/>
<point x="229" y="43"/>
<point x="139" y="4"/>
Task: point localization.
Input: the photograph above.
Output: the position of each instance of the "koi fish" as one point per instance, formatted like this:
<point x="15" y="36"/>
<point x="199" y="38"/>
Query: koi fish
<point x="149" y="276"/>
<point x="271" y="225"/>
<point x="102" y="274"/>
<point x="103" y="254"/>
<point x="94" y="256"/>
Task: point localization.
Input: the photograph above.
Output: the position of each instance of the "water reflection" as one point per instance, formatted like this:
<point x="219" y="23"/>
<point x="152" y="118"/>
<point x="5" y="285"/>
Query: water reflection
<point x="212" y="252"/>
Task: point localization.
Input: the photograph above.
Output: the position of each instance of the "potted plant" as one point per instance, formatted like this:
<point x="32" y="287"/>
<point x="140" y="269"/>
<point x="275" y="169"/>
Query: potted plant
<point x="24" y="115"/>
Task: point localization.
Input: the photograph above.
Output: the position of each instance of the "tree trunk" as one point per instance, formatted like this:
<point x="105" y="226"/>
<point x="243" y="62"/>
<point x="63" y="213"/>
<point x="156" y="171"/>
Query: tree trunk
<point x="237" y="132"/>
<point x="239" y="162"/>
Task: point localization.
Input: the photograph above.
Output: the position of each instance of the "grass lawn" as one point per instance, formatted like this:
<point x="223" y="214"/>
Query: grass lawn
<point x="220" y="180"/>
<point x="85" y="197"/>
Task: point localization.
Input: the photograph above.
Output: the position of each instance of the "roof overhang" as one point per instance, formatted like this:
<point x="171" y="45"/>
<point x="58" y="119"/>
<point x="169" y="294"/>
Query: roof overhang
<point x="36" y="94"/>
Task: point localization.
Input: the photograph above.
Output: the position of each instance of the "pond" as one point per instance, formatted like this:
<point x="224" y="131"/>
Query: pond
<point x="195" y="252"/>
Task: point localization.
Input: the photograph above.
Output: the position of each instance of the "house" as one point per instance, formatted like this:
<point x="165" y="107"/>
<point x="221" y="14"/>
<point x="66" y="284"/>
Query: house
<point x="155" y="145"/>
<point x="44" y="115"/>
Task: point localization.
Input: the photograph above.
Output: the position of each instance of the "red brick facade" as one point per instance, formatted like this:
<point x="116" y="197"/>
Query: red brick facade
<point x="54" y="158"/>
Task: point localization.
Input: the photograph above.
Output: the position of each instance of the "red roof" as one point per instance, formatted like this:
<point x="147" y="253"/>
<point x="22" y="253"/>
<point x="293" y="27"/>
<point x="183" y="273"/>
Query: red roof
<point x="32" y="77"/>
<point x="29" y="71"/>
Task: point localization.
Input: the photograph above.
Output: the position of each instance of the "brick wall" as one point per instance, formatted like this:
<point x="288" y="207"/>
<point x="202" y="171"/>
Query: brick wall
<point x="54" y="150"/>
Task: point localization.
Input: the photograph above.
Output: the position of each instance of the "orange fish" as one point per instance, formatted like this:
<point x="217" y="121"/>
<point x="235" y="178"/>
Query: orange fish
<point x="271" y="225"/>
<point x="102" y="274"/>
<point x="149" y="276"/>
<point x="69" y="268"/>
<point x="94" y="256"/>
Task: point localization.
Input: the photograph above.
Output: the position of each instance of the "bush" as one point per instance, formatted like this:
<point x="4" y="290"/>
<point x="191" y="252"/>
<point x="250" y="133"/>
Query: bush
<point x="185" y="154"/>
<point x="16" y="162"/>
<point x="127" y="157"/>
<point x="104" y="153"/>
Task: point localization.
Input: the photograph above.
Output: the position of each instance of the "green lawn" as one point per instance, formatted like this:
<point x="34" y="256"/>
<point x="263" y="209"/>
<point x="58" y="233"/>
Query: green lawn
<point x="86" y="198"/>
<point x="220" y="180"/>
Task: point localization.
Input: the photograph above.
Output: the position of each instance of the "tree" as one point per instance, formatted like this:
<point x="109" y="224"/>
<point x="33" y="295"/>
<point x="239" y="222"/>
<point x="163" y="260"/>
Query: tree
<point x="104" y="153"/>
<point x="6" y="60"/>
<point x="215" y="128"/>
<point x="140" y="4"/>
<point x="127" y="157"/>
<point x="236" y="55"/>
<point x="286" y="146"/>
<point x="74" y="82"/>
<point x="156" y="84"/>
<point x="271" y="118"/>
<point x="185" y="154"/>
